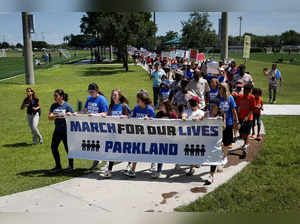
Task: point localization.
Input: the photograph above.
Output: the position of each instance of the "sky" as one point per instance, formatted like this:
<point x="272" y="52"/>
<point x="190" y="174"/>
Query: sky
<point x="52" y="27"/>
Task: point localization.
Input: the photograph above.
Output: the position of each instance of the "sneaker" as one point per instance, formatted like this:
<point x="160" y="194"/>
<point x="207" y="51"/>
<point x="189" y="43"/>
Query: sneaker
<point x="270" y="101"/>
<point x="130" y="173"/>
<point x="34" y="143"/>
<point x="177" y="167"/>
<point x="210" y="180"/>
<point x="105" y="166"/>
<point x="274" y="101"/>
<point x="190" y="172"/>
<point x="55" y="170"/>
<point x="153" y="167"/>
<point x="95" y="164"/>
<point x="245" y="147"/>
<point x="69" y="168"/>
<point x="158" y="175"/>
<point x="107" y="175"/>
<point x="252" y="136"/>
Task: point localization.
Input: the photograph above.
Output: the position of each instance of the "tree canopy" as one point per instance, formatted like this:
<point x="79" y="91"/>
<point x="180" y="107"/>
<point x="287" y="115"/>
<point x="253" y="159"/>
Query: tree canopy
<point x="121" y="29"/>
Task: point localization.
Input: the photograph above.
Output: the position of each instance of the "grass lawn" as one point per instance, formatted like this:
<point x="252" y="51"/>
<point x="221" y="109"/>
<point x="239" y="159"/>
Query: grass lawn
<point x="14" y="65"/>
<point x="270" y="184"/>
<point x="23" y="167"/>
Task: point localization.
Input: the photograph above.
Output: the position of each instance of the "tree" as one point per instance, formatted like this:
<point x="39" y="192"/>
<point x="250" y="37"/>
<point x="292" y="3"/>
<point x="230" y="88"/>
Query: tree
<point x="197" y="32"/>
<point x="76" y="40"/>
<point x="39" y="44"/>
<point x="290" y="37"/>
<point x="5" y="45"/>
<point x="120" y="29"/>
<point x="19" y="45"/>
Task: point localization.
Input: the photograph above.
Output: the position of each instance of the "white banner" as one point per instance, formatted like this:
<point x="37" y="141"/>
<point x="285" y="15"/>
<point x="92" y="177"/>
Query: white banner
<point x="139" y="140"/>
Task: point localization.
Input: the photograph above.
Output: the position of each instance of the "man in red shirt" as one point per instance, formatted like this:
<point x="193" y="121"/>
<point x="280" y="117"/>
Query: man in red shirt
<point x="246" y="105"/>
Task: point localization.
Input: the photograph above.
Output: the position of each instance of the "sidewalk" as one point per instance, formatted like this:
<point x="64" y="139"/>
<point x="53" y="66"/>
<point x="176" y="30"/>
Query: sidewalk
<point x="277" y="109"/>
<point x="122" y="194"/>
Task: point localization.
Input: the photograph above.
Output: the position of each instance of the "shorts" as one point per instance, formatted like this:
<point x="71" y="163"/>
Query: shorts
<point x="228" y="135"/>
<point x="245" y="126"/>
<point x="256" y="120"/>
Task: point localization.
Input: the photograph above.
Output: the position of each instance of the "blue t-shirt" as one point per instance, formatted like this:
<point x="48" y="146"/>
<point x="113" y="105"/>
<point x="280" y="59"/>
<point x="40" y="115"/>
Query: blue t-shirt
<point x="118" y="110"/>
<point x="156" y="77"/>
<point x="227" y="107"/>
<point x="139" y="112"/>
<point x="60" y="123"/>
<point x="164" y="93"/>
<point x="213" y="93"/>
<point x="96" y="105"/>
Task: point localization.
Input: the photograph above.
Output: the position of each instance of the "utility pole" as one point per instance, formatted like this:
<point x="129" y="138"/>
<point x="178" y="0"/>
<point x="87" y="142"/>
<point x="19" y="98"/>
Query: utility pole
<point x="224" y="35"/>
<point x="27" y="50"/>
<point x="240" y="18"/>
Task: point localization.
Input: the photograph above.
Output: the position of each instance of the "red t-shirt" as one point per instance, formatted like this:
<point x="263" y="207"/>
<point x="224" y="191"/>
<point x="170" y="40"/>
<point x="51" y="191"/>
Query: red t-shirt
<point x="245" y="104"/>
<point x="259" y="103"/>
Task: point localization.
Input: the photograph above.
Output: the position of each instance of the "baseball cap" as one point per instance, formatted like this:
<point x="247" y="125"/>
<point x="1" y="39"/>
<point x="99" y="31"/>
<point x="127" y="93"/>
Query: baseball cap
<point x="195" y="98"/>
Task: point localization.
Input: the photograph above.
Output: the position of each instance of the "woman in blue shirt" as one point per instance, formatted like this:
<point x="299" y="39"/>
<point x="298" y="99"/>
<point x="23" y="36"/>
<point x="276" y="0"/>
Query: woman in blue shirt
<point x="96" y="105"/>
<point x="57" y="113"/>
<point x="144" y="110"/>
<point x="228" y="106"/>
<point x="118" y="108"/>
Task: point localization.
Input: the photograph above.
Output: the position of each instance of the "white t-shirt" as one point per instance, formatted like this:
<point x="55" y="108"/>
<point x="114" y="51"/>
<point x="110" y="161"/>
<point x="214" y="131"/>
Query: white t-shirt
<point x="193" y="114"/>
<point x="199" y="88"/>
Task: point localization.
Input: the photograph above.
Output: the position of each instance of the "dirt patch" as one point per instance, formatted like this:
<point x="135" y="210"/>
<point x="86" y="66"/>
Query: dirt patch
<point x="236" y="157"/>
<point x="166" y="196"/>
<point x="199" y="190"/>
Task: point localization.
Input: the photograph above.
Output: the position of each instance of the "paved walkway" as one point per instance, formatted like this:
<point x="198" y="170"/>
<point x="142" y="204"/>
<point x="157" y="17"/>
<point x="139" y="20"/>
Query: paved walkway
<point x="277" y="109"/>
<point x="120" y="194"/>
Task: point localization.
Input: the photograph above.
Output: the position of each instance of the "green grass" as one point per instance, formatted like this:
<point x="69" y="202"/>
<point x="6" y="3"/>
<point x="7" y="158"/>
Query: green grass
<point x="271" y="58"/>
<point x="270" y="184"/>
<point x="23" y="167"/>
<point x="14" y="65"/>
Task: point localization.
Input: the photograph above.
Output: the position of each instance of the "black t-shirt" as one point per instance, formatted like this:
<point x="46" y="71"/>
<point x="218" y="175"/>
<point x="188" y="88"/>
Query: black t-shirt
<point x="60" y="123"/>
<point x="32" y="103"/>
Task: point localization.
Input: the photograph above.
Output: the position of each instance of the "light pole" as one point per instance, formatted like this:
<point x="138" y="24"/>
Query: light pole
<point x="240" y="18"/>
<point x="224" y="35"/>
<point x="27" y="50"/>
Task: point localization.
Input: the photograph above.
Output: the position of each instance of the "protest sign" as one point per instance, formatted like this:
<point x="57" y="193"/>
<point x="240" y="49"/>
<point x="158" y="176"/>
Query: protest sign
<point x="165" y="54"/>
<point x="139" y="140"/>
<point x="180" y="53"/>
<point x="193" y="55"/>
<point x="201" y="57"/>
<point x="247" y="47"/>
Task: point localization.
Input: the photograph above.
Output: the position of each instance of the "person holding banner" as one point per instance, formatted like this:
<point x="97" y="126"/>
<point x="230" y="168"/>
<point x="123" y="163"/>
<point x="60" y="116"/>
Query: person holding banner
<point x="96" y="104"/>
<point x="58" y="111"/>
<point x="142" y="110"/>
<point x="32" y="103"/>
<point x="192" y="113"/>
<point x="118" y="108"/>
<point x="156" y="76"/>
<point x="166" y="111"/>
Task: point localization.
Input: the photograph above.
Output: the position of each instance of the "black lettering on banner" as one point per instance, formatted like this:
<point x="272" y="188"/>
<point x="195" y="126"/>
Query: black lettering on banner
<point x="161" y="130"/>
<point x="139" y="129"/>
<point x="120" y="128"/>
<point x="129" y="129"/>
<point x="171" y="130"/>
<point x="151" y="130"/>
